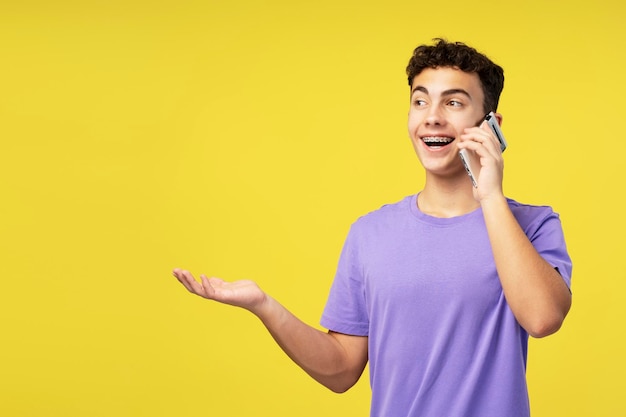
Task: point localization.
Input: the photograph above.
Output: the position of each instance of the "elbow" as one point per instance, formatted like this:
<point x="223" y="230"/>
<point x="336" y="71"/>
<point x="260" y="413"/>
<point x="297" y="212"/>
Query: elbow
<point x="339" y="389"/>
<point x="545" y="324"/>
<point x="345" y="369"/>
<point x="338" y="383"/>
<point x="548" y="320"/>
<point x="544" y="328"/>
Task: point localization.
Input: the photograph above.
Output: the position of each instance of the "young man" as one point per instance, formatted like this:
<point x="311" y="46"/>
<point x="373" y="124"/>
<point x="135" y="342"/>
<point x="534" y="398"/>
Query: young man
<point x="439" y="291"/>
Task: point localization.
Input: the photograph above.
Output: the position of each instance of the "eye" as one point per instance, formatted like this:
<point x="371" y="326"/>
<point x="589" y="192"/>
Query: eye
<point x="419" y="102"/>
<point x="455" y="103"/>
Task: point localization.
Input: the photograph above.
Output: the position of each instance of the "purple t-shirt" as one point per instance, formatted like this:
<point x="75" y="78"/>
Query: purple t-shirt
<point x="442" y="339"/>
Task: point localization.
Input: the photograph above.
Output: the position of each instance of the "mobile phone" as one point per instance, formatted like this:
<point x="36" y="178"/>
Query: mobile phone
<point x="470" y="159"/>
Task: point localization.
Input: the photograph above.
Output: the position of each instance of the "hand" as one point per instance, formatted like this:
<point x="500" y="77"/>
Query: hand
<point x="484" y="143"/>
<point x="244" y="293"/>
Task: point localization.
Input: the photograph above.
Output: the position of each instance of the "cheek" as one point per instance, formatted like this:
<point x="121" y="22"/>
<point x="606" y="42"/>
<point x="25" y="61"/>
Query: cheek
<point x="411" y="124"/>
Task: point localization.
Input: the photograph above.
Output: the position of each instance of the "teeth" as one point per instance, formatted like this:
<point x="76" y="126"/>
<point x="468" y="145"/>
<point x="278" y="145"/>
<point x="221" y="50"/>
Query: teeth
<point x="437" y="139"/>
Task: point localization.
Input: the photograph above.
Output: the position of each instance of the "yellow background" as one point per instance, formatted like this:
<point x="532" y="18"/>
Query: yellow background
<point x="241" y="139"/>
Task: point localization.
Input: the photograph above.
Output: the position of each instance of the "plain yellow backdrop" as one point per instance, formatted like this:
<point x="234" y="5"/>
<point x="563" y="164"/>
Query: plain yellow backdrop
<point x="241" y="139"/>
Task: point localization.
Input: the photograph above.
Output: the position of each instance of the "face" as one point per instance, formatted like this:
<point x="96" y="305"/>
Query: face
<point x="444" y="101"/>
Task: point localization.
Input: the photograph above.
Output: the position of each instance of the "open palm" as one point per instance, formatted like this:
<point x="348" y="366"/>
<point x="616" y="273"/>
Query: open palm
<point x="243" y="293"/>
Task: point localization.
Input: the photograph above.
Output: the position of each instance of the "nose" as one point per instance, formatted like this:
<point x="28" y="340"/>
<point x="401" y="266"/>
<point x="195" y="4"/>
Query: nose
<point x="434" y="116"/>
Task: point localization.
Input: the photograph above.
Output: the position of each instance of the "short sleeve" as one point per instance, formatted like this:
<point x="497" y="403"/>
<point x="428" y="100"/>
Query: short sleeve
<point x="546" y="235"/>
<point x="346" y="310"/>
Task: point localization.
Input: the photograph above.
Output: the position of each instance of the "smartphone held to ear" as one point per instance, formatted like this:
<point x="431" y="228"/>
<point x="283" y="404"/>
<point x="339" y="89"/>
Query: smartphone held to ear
<point x="471" y="160"/>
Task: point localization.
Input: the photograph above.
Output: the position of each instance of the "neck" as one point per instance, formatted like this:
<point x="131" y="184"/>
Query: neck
<point x="447" y="198"/>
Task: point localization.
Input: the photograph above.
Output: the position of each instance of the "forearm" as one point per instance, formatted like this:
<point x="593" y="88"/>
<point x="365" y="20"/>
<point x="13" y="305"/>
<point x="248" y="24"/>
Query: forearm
<point x="335" y="361"/>
<point x="534" y="290"/>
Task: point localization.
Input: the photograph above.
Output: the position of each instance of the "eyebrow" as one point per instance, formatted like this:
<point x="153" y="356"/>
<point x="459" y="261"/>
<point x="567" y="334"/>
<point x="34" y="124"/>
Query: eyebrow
<point x="449" y="92"/>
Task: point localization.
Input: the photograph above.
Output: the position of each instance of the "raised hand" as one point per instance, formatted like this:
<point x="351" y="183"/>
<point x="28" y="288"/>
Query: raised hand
<point x="335" y="360"/>
<point x="484" y="143"/>
<point x="244" y="293"/>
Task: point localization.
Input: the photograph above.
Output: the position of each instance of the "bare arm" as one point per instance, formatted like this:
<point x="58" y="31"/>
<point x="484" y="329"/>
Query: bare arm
<point x="536" y="293"/>
<point x="335" y="360"/>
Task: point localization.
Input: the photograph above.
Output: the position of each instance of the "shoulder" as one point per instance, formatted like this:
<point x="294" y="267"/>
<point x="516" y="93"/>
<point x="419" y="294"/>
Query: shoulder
<point x="384" y="221"/>
<point x="387" y="213"/>
<point x="529" y="210"/>
<point x="532" y="217"/>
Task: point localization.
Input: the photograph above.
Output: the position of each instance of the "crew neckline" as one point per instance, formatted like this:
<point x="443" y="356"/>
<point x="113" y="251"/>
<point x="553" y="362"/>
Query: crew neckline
<point x="440" y="221"/>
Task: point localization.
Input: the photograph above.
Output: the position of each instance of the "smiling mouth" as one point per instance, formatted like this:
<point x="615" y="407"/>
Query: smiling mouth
<point x="437" y="141"/>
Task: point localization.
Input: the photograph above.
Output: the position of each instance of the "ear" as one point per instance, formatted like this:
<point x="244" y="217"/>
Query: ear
<point x="499" y="117"/>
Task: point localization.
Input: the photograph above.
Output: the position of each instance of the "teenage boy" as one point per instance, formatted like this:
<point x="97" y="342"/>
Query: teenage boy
<point x="440" y="291"/>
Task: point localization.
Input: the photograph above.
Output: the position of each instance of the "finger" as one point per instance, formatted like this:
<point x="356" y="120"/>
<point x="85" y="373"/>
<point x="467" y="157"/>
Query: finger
<point x="195" y="286"/>
<point x="492" y="136"/>
<point x="187" y="279"/>
<point x="474" y="134"/>
<point x="178" y="273"/>
<point x="481" y="141"/>
<point x="474" y="140"/>
<point x="207" y="287"/>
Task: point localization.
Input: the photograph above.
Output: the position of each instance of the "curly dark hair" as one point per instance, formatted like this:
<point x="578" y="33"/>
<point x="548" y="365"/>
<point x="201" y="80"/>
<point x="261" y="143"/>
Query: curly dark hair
<point x="465" y="58"/>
